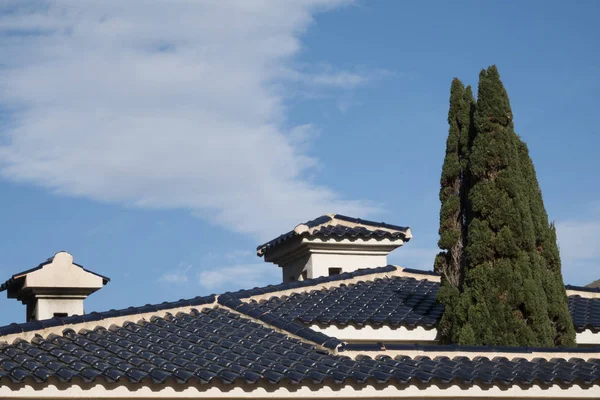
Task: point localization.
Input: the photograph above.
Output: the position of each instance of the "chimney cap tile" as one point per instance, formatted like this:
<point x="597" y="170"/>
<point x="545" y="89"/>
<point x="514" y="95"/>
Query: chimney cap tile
<point x="339" y="226"/>
<point x="17" y="280"/>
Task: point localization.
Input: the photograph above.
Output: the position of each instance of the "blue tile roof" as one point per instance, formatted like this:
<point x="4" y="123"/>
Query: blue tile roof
<point x="98" y="316"/>
<point x="326" y="226"/>
<point x="394" y="301"/>
<point x="218" y="346"/>
<point x="241" y="294"/>
<point x="278" y="322"/>
<point x="239" y="340"/>
<point x="585" y="313"/>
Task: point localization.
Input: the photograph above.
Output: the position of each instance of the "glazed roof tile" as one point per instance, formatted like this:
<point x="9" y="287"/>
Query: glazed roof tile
<point x="99" y="316"/>
<point x="339" y="226"/>
<point x="393" y="300"/>
<point x="585" y="313"/>
<point x="218" y="346"/>
<point x="229" y="339"/>
<point x="378" y="298"/>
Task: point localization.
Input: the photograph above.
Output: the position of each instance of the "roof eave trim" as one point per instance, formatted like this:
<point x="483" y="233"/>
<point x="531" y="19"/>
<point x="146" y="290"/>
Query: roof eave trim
<point x="171" y="389"/>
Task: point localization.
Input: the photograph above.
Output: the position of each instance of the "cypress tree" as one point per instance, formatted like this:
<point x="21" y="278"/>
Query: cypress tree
<point x="563" y="331"/>
<point x="511" y="291"/>
<point x="450" y="262"/>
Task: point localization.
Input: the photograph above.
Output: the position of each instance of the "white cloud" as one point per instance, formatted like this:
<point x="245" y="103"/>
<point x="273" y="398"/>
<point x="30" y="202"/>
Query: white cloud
<point x="344" y="103"/>
<point x="324" y="81"/>
<point x="240" y="276"/>
<point x="171" y="104"/>
<point x="579" y="242"/>
<point x="178" y="276"/>
<point x="236" y="256"/>
<point x="346" y="79"/>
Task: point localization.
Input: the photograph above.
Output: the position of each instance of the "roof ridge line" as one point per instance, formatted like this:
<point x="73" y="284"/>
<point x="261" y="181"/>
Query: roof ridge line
<point x="368" y="222"/>
<point x="320" y="283"/>
<point x="287" y="327"/>
<point x="54" y="325"/>
<point x="585" y="292"/>
<point x="389" y="271"/>
<point x="338" y="219"/>
<point x="14" y="331"/>
<point x="417" y="274"/>
<point x="583" y="288"/>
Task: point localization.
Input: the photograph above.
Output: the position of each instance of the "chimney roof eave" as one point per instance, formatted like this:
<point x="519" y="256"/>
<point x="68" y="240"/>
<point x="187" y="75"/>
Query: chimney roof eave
<point x="19" y="278"/>
<point x="339" y="226"/>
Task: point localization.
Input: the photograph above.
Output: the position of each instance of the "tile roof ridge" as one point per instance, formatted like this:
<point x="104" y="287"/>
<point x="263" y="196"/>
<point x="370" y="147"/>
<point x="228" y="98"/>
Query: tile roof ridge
<point x="341" y="220"/>
<point x="319" y="283"/>
<point x="329" y="282"/>
<point x="417" y="274"/>
<point x="344" y="220"/>
<point x="470" y="352"/>
<point x="233" y="300"/>
<point x="288" y="327"/>
<point x="298" y="230"/>
<point x="582" y="291"/>
<point x="313" y="228"/>
<point x="28" y="330"/>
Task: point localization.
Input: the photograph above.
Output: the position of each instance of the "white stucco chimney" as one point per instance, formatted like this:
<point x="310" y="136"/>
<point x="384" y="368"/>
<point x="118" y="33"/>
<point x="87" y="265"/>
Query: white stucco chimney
<point x="55" y="288"/>
<point x="333" y="244"/>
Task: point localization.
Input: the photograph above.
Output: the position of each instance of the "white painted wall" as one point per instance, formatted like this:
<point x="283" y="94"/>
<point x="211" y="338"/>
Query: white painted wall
<point x="419" y="335"/>
<point x="321" y="262"/>
<point x="315" y="256"/>
<point x="386" y="334"/>
<point x="47" y="307"/>
<point x="587" y="338"/>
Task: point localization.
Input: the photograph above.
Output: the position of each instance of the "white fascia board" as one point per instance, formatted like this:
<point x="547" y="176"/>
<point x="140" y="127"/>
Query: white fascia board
<point x="123" y="390"/>
<point x="401" y="334"/>
<point x="587" y="337"/>
<point x="383" y="333"/>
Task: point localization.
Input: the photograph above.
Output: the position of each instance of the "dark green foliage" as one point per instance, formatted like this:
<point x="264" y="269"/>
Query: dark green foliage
<point x="450" y="262"/>
<point x="563" y="332"/>
<point x="495" y="233"/>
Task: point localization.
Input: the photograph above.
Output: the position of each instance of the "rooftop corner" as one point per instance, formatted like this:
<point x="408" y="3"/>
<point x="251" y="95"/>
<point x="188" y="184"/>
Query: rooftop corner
<point x="333" y="244"/>
<point x="55" y="288"/>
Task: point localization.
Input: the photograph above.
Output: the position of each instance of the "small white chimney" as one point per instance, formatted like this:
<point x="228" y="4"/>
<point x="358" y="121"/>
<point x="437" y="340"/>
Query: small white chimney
<point x="55" y="288"/>
<point x="333" y="244"/>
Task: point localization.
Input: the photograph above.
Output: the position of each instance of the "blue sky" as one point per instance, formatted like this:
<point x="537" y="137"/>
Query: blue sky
<point x="160" y="144"/>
